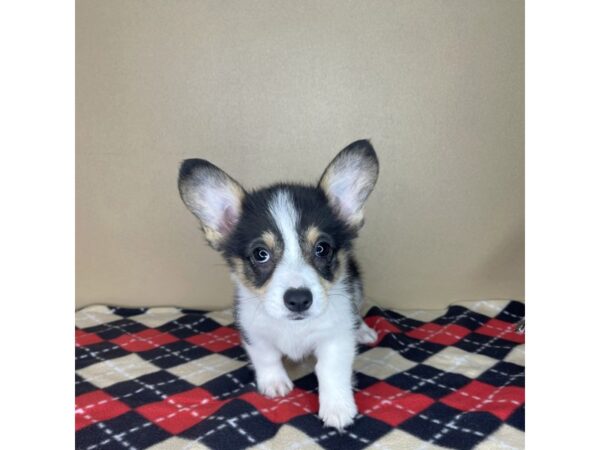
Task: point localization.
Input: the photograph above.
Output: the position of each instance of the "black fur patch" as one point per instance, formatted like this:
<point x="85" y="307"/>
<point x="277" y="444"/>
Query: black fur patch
<point x="254" y="221"/>
<point x="315" y="211"/>
<point x="353" y="270"/>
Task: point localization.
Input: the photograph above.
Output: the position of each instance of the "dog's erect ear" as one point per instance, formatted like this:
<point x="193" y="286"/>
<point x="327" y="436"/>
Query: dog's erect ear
<point x="349" y="179"/>
<point x="212" y="196"/>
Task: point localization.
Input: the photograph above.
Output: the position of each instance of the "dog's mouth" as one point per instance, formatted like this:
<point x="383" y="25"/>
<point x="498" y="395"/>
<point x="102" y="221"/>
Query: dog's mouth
<point x="297" y="316"/>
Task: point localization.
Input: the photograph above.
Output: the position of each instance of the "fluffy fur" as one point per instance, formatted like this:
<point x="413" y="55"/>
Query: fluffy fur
<point x="298" y="286"/>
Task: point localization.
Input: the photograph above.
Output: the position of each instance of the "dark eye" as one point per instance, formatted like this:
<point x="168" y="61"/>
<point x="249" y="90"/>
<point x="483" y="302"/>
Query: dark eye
<point x="322" y="250"/>
<point x="260" y="255"/>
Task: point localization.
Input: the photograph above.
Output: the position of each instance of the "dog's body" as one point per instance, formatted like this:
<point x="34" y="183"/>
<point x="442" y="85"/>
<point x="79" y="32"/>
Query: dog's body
<point x="298" y="287"/>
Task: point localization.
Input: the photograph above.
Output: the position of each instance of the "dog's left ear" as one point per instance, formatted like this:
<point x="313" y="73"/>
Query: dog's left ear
<point x="349" y="179"/>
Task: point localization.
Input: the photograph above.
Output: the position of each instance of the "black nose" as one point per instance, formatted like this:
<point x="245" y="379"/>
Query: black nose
<point x="297" y="300"/>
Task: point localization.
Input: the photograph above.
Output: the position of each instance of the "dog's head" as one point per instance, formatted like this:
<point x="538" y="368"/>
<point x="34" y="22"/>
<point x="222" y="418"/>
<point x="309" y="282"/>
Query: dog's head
<point x="288" y="244"/>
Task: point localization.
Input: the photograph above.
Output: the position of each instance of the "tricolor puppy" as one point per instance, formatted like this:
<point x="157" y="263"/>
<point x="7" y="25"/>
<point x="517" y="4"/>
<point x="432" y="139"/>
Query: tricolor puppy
<point x="289" y="250"/>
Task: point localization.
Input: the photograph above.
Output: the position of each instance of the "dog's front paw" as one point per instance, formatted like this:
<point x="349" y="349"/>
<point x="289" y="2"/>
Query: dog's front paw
<point x="338" y="415"/>
<point x="276" y="387"/>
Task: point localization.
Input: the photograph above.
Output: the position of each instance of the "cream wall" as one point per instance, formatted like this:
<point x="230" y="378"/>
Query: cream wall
<point x="270" y="90"/>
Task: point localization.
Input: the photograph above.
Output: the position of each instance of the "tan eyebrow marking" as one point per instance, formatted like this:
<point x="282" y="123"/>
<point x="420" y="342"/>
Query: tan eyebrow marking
<point x="312" y="234"/>
<point x="269" y="238"/>
<point x="238" y="270"/>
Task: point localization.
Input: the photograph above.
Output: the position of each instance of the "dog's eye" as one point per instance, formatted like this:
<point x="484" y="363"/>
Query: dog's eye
<point x="322" y="250"/>
<point x="261" y="255"/>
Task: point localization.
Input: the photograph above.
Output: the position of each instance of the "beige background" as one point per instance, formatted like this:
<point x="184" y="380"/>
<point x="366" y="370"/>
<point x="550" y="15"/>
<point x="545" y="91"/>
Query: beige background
<point x="271" y="90"/>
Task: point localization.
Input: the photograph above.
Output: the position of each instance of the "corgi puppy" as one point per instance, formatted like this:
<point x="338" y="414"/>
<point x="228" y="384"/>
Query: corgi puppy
<point x="297" y="284"/>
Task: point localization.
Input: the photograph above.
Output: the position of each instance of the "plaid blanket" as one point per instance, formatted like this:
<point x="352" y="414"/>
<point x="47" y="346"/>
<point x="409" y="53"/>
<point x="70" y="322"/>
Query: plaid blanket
<point x="170" y="378"/>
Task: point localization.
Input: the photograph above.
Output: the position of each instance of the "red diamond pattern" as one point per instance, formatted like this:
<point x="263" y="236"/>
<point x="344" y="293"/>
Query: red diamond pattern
<point x="96" y="406"/>
<point x="390" y="404"/>
<point x="504" y="330"/>
<point x="218" y="340"/>
<point x="144" y="340"/>
<point x="282" y="409"/>
<point x="382" y="326"/>
<point x="478" y="396"/>
<point x="181" y="411"/>
<point x="439" y="334"/>
<point x="83" y="338"/>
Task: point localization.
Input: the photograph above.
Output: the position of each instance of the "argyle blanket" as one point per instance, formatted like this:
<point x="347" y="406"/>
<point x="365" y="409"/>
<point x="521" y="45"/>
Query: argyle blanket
<point x="169" y="378"/>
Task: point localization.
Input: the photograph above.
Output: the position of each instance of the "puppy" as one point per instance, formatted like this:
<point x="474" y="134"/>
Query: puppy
<point x="289" y="251"/>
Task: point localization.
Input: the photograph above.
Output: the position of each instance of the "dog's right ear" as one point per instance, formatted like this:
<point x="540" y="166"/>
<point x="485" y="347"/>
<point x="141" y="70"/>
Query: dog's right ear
<point x="212" y="196"/>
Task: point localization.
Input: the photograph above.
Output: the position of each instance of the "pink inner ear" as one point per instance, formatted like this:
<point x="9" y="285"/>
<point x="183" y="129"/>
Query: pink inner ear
<point x="341" y="200"/>
<point x="229" y="220"/>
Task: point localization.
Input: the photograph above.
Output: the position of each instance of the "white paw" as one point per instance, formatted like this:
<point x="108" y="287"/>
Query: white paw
<point x="338" y="415"/>
<point x="366" y="334"/>
<point x="278" y="387"/>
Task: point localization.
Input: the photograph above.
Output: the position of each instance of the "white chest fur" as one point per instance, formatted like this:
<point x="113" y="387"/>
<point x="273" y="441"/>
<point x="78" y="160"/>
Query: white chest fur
<point x="295" y="339"/>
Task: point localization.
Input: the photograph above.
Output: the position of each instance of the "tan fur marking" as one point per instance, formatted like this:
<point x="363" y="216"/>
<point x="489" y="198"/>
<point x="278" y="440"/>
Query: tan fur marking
<point x="212" y="236"/>
<point x="238" y="270"/>
<point x="312" y="234"/>
<point x="271" y="241"/>
<point x="269" y="238"/>
<point x="342" y="264"/>
<point x="326" y="285"/>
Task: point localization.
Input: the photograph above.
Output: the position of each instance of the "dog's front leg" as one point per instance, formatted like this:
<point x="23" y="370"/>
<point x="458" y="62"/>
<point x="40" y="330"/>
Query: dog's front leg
<point x="271" y="377"/>
<point x="334" y="372"/>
